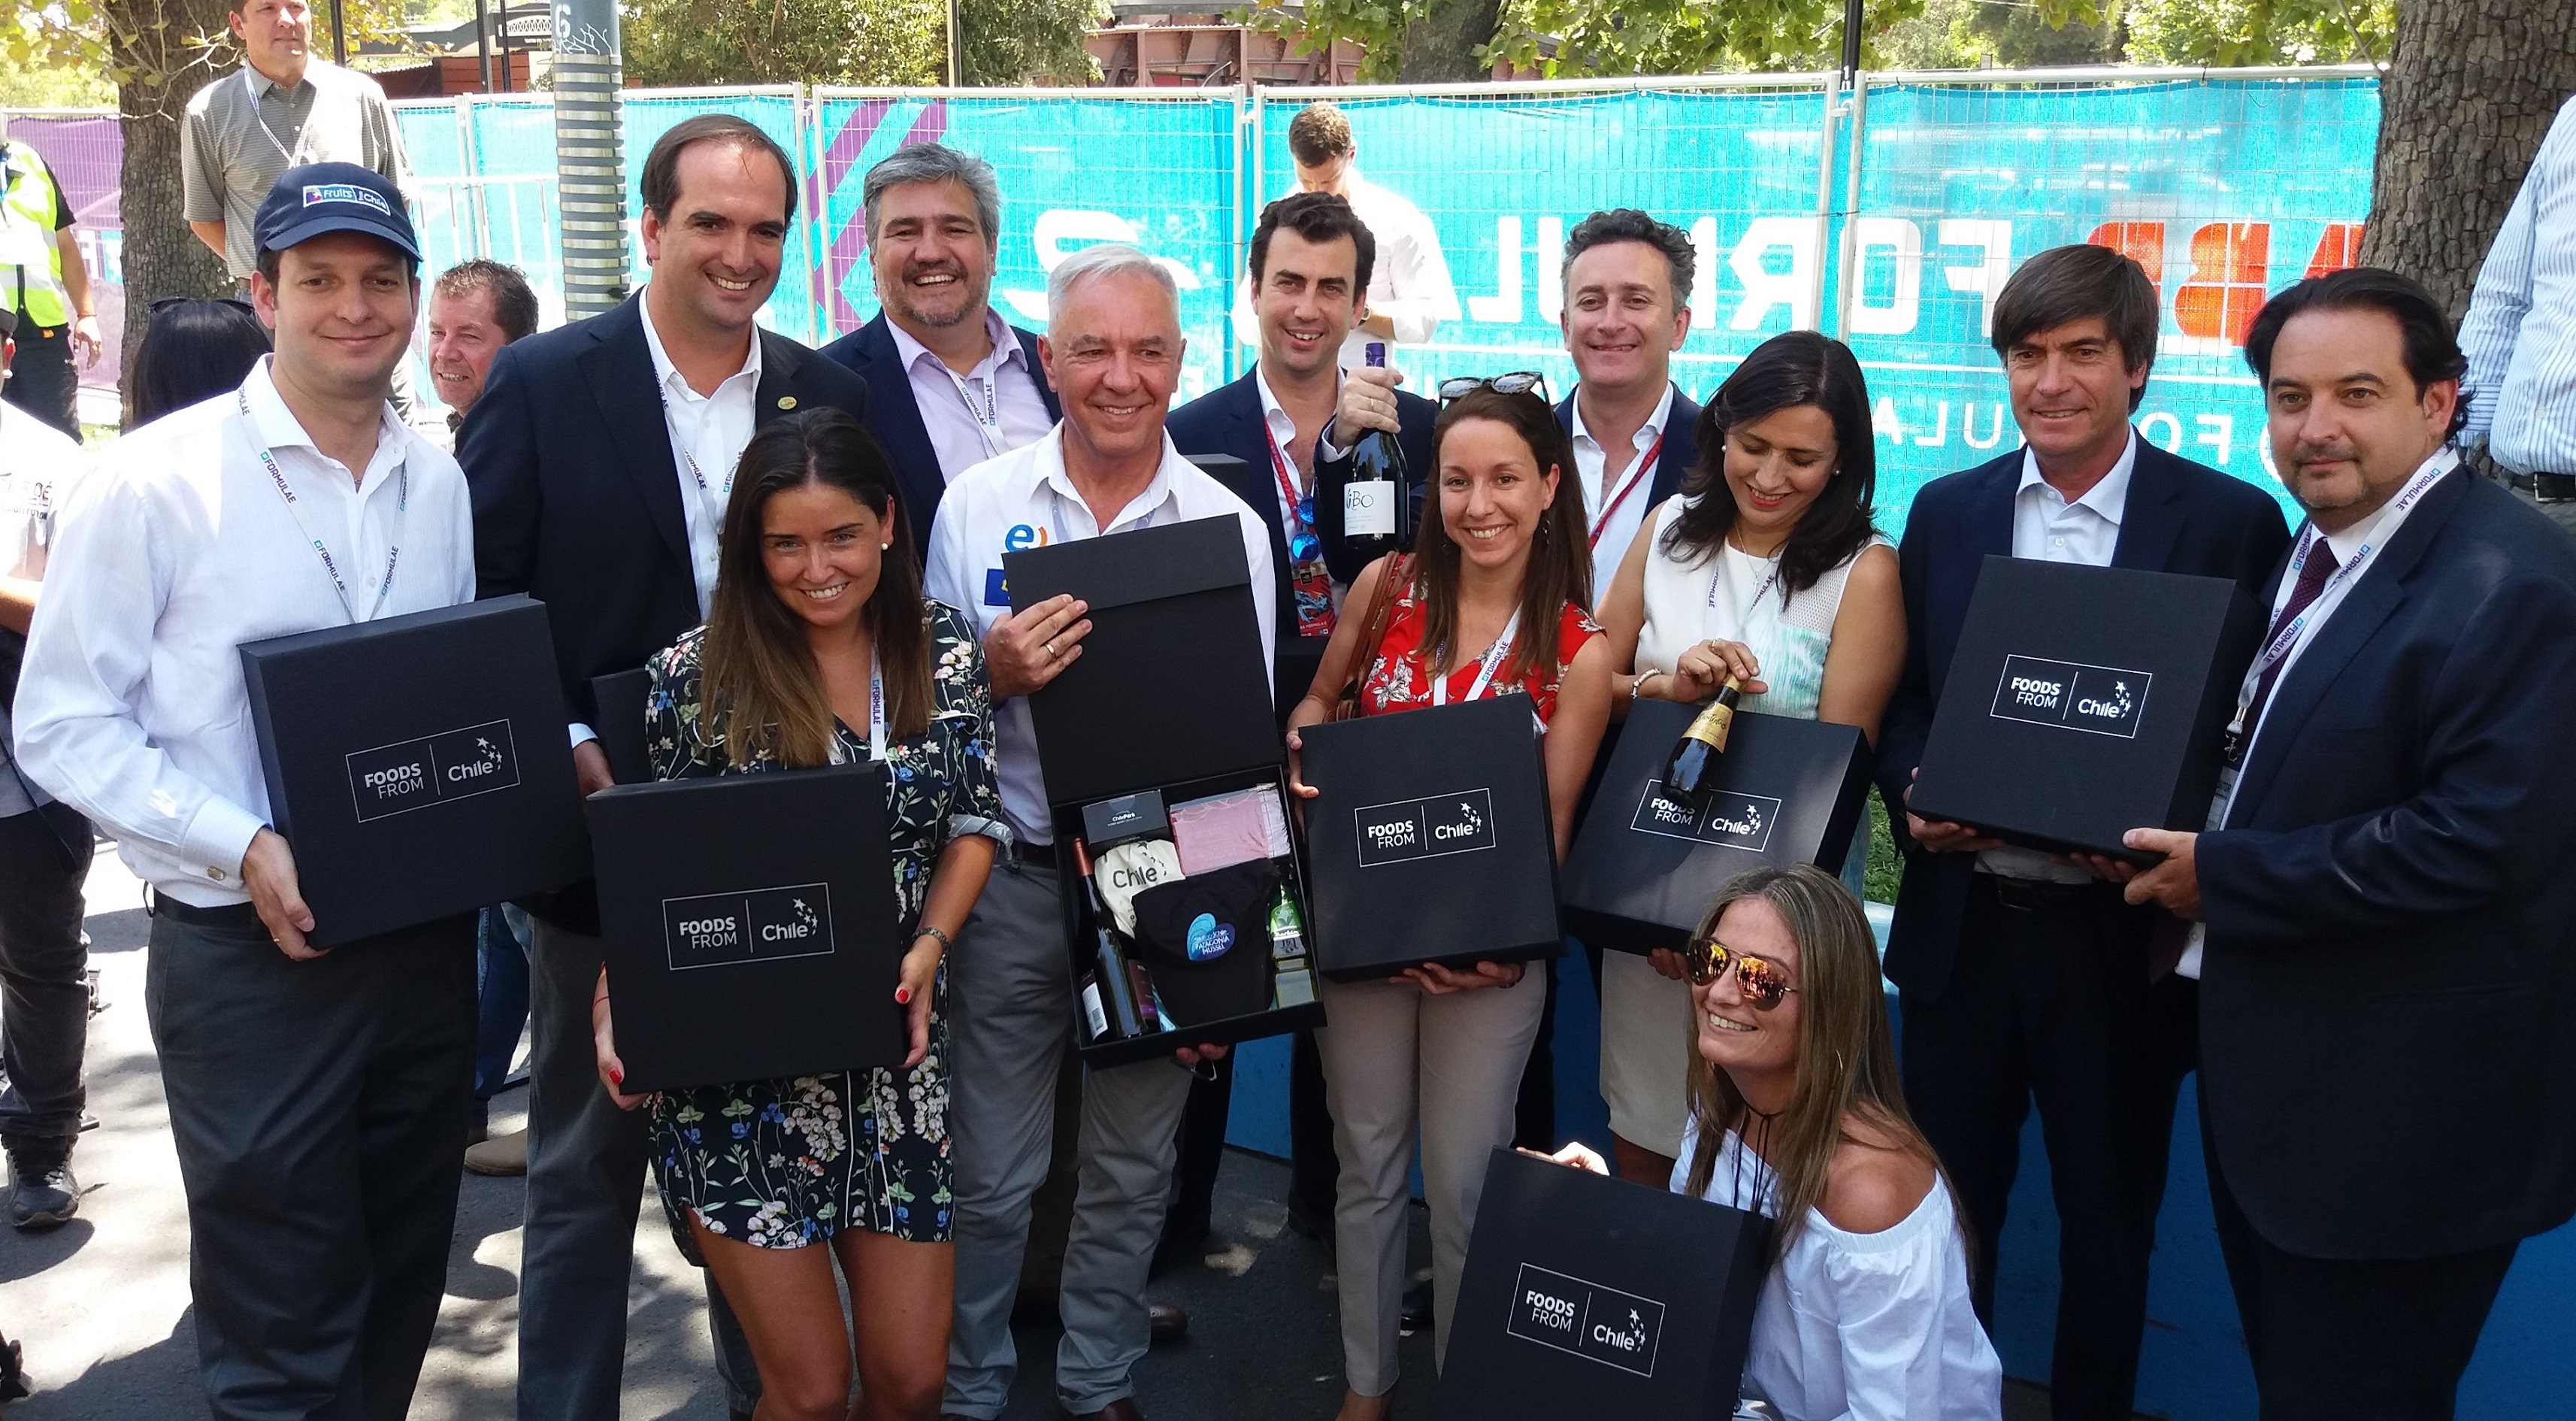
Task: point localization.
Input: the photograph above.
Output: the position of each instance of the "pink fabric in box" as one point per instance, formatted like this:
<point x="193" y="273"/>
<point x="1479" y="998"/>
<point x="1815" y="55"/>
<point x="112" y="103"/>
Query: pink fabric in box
<point x="1226" y="829"/>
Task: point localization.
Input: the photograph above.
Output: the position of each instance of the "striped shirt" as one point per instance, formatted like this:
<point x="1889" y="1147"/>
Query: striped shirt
<point x="2520" y="333"/>
<point x="244" y="129"/>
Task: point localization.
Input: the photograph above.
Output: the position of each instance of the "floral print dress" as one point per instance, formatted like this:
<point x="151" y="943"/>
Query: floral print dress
<point x="781" y="1163"/>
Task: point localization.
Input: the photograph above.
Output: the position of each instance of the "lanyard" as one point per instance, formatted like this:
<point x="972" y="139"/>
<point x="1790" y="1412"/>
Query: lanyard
<point x="1484" y="670"/>
<point x="876" y="713"/>
<point x="1760" y="589"/>
<point x="294" y="509"/>
<point x="250" y="81"/>
<point x="1300" y="506"/>
<point x="2303" y="627"/>
<point x="689" y="457"/>
<point x="1636" y="475"/>
<point x="988" y="415"/>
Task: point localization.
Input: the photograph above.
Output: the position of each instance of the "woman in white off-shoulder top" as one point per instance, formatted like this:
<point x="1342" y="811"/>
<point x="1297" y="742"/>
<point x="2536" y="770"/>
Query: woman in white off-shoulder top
<point x="1796" y="1112"/>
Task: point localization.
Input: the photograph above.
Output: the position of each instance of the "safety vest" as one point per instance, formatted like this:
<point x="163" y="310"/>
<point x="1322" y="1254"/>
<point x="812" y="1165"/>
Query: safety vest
<point x="27" y="207"/>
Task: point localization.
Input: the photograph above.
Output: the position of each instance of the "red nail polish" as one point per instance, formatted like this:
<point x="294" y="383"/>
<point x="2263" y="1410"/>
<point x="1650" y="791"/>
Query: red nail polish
<point x="903" y="996"/>
<point x="617" y="1075"/>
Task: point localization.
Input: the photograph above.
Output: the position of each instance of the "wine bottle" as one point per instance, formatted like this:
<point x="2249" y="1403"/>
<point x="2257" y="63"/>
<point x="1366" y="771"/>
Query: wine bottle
<point x="1115" y="980"/>
<point x="1692" y="770"/>
<point x="1292" y="981"/>
<point x="1377" y="509"/>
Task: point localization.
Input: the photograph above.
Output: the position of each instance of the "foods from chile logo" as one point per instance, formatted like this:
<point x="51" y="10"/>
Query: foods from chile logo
<point x="434" y="769"/>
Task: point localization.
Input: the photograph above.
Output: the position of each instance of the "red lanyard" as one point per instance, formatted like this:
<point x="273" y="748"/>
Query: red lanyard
<point x="1287" y="482"/>
<point x="1637" y="473"/>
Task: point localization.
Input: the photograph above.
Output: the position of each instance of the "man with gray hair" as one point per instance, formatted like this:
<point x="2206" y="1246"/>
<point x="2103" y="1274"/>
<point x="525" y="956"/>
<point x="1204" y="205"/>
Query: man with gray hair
<point x="1113" y="351"/>
<point x="956" y="384"/>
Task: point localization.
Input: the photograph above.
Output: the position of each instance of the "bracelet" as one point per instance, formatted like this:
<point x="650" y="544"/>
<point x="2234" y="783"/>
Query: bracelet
<point x="1639" y="683"/>
<point x="946" y="943"/>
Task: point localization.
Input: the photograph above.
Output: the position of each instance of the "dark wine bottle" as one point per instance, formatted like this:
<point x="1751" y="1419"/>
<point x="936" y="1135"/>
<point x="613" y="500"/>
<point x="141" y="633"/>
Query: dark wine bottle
<point x="1692" y="770"/>
<point x="1120" y="1012"/>
<point x="1376" y="494"/>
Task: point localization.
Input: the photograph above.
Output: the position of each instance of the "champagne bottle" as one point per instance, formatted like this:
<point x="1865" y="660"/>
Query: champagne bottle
<point x="1377" y="510"/>
<point x="1692" y="770"/>
<point x="1292" y="982"/>
<point x="1116" y="978"/>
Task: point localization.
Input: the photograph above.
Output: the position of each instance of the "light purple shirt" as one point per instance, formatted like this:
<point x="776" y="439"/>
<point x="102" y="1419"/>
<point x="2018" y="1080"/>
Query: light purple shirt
<point x="985" y="413"/>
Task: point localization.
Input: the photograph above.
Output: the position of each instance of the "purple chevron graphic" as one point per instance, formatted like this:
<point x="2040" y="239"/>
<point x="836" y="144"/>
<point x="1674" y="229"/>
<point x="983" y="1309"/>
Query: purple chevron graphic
<point x="850" y="243"/>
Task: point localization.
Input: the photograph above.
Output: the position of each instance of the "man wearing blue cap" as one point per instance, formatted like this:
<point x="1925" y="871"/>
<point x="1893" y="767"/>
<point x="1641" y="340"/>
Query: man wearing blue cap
<point x="315" y="1098"/>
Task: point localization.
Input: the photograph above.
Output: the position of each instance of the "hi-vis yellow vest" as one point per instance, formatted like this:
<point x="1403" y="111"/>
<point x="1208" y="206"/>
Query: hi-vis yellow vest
<point x="27" y="207"/>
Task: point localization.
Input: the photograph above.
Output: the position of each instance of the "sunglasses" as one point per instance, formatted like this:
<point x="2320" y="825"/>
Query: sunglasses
<point x="1519" y="382"/>
<point x="1763" y="983"/>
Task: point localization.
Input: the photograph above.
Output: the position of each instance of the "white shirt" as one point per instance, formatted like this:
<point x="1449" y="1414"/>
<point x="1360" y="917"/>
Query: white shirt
<point x="1283" y="432"/>
<point x="131" y="708"/>
<point x="990" y="410"/>
<point x="2373" y="531"/>
<point x="2520" y="333"/>
<point x="1592" y="467"/>
<point x="1024" y="499"/>
<point x="1861" y="1327"/>
<point x="2047" y="528"/>
<point x="1408" y="282"/>
<point x="707" y="433"/>
<point x="39" y="467"/>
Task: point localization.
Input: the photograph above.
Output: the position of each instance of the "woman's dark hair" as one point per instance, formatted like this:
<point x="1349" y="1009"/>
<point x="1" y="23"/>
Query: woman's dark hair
<point x="192" y="351"/>
<point x="2431" y="352"/>
<point x="1798" y="368"/>
<point x="1560" y="562"/>
<point x="762" y="690"/>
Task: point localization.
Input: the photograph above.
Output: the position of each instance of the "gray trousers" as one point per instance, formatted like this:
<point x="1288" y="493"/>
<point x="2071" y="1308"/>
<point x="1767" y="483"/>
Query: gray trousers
<point x="44" y="998"/>
<point x="316" y="1107"/>
<point x="1010" y="1017"/>
<point x="586" y="1162"/>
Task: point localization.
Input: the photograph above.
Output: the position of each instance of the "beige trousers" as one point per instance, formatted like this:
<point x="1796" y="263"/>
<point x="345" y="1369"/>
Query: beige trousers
<point x="1397" y="1058"/>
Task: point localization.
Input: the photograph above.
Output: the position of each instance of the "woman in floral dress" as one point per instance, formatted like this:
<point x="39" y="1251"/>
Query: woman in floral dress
<point x="820" y="649"/>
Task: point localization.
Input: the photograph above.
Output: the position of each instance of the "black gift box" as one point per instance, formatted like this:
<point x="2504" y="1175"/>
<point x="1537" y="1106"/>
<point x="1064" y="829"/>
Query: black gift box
<point x="1645" y="867"/>
<point x="1169" y="695"/>
<point x="1585" y="1295"/>
<point x="621" y="696"/>
<point x="2084" y="702"/>
<point x="749" y="924"/>
<point x="1430" y="840"/>
<point x="417" y="764"/>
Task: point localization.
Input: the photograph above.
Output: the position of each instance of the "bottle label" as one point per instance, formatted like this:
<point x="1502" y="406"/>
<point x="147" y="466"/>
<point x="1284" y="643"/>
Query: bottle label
<point x="1091" y="1008"/>
<point x="1368" y="508"/>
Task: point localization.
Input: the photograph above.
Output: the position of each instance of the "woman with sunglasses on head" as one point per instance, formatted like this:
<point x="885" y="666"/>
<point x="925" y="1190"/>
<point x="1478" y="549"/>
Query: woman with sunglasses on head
<point x="193" y="349"/>
<point x="1796" y="1113"/>
<point x="1490" y="603"/>
<point x="1766" y="569"/>
<point x="820" y="649"/>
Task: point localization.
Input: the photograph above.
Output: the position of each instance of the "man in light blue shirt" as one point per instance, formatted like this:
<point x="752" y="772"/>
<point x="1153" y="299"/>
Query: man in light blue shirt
<point x="2520" y="333"/>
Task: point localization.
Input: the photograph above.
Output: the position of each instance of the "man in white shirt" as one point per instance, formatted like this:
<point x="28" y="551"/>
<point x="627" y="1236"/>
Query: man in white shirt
<point x="2520" y="333"/>
<point x="1409" y="293"/>
<point x="1113" y="350"/>
<point x="314" y="1097"/>
<point x="601" y="456"/>
<point x="44" y="852"/>
<point x="2025" y="979"/>
<point x="953" y="383"/>
<point x="2387" y="1001"/>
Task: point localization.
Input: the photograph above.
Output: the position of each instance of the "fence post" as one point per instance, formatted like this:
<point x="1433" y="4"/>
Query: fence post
<point x="801" y="135"/>
<point x="1824" y="201"/>
<point x="1847" y="274"/>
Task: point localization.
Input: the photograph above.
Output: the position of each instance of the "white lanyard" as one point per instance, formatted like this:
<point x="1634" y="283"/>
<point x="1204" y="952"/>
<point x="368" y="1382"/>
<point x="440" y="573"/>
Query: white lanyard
<point x="1636" y="474"/>
<point x="294" y="509"/>
<point x="689" y="458"/>
<point x="876" y="713"/>
<point x="988" y="415"/>
<point x="2302" y="628"/>
<point x="250" y="81"/>
<point x="1484" y="670"/>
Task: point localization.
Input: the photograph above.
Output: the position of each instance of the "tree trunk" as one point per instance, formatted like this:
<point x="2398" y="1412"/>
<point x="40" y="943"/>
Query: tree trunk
<point x="162" y="54"/>
<point x="1440" y="47"/>
<point x="2470" y="91"/>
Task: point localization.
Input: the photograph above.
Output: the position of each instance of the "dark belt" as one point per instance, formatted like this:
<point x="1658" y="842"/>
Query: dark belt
<point x="1034" y="855"/>
<point x="232" y="917"/>
<point x="2544" y="488"/>
<point x="2038" y="895"/>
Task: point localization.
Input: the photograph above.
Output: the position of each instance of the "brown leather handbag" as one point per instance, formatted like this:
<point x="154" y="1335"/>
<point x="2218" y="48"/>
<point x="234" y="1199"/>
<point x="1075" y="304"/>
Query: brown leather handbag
<point x="1399" y="571"/>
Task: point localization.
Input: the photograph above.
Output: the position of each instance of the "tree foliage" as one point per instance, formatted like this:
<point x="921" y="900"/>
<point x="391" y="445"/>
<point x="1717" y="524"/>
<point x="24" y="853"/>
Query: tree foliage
<point x="1007" y="42"/>
<point x="2241" y="32"/>
<point x="1001" y="42"/>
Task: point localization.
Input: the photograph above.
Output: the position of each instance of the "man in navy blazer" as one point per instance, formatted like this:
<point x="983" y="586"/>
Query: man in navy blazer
<point x="2388" y="1008"/>
<point x="1627" y="280"/>
<point x="599" y="458"/>
<point x="2024" y="978"/>
<point x="954" y="384"/>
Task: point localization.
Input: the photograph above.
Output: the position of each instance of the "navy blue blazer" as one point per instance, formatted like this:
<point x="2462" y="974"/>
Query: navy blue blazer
<point x="895" y="418"/>
<point x="2179" y="517"/>
<point x="2388" y="995"/>
<point x="577" y="498"/>
<point x="1672" y="464"/>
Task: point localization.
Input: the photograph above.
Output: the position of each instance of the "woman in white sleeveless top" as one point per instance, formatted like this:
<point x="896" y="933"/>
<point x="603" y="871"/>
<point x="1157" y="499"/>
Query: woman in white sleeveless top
<point x="1767" y="567"/>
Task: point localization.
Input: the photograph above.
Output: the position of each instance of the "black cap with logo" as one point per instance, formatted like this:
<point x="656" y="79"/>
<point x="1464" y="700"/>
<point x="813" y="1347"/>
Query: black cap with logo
<point x="333" y="197"/>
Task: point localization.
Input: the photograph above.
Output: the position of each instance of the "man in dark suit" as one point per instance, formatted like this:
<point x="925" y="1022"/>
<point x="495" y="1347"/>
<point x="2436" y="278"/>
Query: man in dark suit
<point x="2022" y="977"/>
<point x="954" y="384"/>
<point x="600" y="457"/>
<point x="1627" y="280"/>
<point x="2388" y="1029"/>
<point x="1310" y="265"/>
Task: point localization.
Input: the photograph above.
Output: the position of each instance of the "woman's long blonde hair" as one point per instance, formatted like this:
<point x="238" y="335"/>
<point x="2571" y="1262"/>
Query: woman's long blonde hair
<point x="1846" y="1056"/>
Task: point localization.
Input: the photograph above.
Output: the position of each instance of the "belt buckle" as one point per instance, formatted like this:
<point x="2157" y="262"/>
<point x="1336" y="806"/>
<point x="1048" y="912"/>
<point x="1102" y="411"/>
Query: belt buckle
<point x="2553" y="488"/>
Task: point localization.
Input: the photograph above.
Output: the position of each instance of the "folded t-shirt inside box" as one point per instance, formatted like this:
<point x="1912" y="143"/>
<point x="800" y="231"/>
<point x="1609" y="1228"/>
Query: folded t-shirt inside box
<point x="1227" y="829"/>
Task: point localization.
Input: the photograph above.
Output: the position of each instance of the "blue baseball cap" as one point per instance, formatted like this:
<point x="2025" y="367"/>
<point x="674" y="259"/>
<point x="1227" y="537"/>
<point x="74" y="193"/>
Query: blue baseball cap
<point x="332" y="197"/>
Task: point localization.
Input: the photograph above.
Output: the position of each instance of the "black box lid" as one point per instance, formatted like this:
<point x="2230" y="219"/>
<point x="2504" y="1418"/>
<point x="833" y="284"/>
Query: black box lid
<point x="736" y="1003"/>
<point x="1171" y="684"/>
<point x="2083" y="702"/>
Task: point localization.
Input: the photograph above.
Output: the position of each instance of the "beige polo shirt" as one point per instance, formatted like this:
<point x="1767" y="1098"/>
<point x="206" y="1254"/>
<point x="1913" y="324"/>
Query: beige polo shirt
<point x="243" y="130"/>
